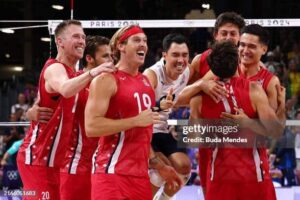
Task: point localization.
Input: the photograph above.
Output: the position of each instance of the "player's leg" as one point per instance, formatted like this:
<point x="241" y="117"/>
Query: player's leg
<point x="181" y="163"/>
<point x="157" y="145"/>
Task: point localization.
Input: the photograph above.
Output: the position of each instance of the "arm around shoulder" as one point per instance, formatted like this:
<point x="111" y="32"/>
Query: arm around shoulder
<point x="57" y="80"/>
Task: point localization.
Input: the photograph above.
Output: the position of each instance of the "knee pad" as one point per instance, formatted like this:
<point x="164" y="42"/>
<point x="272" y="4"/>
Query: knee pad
<point x="155" y="178"/>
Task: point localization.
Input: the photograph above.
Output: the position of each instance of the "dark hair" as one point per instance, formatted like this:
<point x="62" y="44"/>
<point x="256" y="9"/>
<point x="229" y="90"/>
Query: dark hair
<point x="229" y="17"/>
<point x="63" y="25"/>
<point x="92" y="43"/>
<point x="223" y="59"/>
<point x="259" y="31"/>
<point x="173" y="38"/>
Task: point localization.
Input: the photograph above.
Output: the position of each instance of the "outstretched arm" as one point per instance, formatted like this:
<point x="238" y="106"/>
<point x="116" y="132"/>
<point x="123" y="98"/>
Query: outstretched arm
<point x="57" y="79"/>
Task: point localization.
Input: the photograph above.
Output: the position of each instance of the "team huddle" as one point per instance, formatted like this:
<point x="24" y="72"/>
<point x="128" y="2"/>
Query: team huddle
<point x="101" y="133"/>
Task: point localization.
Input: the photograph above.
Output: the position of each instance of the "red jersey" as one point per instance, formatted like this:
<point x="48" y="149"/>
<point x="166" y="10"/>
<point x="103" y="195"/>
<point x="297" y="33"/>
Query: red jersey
<point x="263" y="77"/>
<point x="44" y="144"/>
<point x="204" y="153"/>
<point x="203" y="64"/>
<point x="235" y="164"/>
<point x="81" y="148"/>
<point x="127" y="152"/>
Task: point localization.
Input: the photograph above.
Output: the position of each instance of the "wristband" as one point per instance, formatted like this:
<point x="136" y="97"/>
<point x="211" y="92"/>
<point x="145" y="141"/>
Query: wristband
<point x="157" y="107"/>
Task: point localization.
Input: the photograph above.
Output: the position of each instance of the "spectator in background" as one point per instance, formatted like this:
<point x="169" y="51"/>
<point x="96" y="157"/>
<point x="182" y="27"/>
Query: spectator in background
<point x="13" y="133"/>
<point x="295" y="53"/>
<point x="271" y="64"/>
<point x="297" y="146"/>
<point x="291" y="107"/>
<point x="30" y="93"/>
<point x="286" y="158"/>
<point x="9" y="157"/>
<point x="11" y="178"/>
<point x="21" y="104"/>
<point x="294" y="77"/>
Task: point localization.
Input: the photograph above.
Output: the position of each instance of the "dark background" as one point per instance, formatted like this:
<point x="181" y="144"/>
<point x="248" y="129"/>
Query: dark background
<point x="26" y="49"/>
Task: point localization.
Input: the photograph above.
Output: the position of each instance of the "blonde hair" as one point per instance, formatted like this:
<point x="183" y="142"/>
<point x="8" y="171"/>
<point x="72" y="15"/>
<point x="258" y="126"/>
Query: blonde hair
<point x="114" y="41"/>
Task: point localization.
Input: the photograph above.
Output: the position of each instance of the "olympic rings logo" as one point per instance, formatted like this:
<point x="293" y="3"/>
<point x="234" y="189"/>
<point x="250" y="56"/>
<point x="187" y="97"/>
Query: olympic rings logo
<point x="12" y="175"/>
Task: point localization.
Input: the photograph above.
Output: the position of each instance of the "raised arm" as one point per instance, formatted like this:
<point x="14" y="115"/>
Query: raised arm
<point x="57" y="79"/>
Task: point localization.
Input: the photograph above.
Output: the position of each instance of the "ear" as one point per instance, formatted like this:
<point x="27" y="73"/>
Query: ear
<point x="215" y="34"/>
<point x="164" y="54"/>
<point x="58" y="41"/>
<point x="265" y="49"/>
<point x="120" y="46"/>
<point x="88" y="58"/>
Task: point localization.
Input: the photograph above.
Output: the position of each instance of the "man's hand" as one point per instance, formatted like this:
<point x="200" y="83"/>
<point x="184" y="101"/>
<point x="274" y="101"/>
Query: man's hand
<point x="239" y="117"/>
<point x="146" y="118"/>
<point x="39" y="114"/>
<point x="214" y="89"/>
<point x="104" y="67"/>
<point x="239" y="114"/>
<point x="168" y="101"/>
<point x="171" y="177"/>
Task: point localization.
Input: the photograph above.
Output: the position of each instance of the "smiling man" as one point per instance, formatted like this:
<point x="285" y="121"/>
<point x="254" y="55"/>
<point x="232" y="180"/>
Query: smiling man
<point x="43" y="150"/>
<point x="253" y="45"/>
<point x="168" y="78"/>
<point x="119" y="111"/>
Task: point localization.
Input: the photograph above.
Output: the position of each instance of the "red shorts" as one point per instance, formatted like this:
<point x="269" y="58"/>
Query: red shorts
<point x="120" y="187"/>
<point x="245" y="191"/>
<point x="40" y="180"/>
<point x="75" y="187"/>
